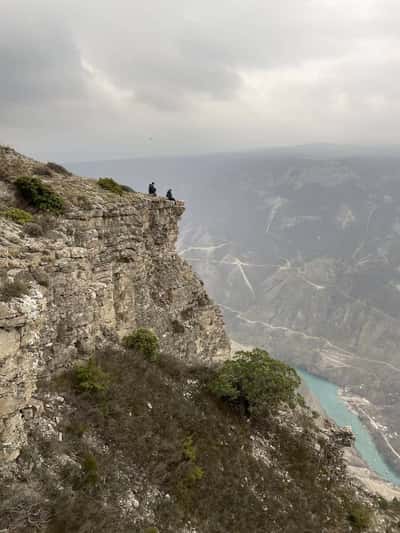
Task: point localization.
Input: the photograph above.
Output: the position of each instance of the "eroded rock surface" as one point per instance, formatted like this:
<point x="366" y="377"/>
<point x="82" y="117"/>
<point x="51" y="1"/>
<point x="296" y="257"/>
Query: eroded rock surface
<point x="104" y="268"/>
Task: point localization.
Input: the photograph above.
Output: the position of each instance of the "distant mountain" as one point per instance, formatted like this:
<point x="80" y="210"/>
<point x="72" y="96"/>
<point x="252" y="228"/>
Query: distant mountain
<point x="303" y="254"/>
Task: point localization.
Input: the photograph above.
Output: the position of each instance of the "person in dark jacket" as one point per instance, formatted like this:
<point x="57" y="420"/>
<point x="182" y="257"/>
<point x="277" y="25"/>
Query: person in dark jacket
<point x="152" y="189"/>
<point x="170" y="195"/>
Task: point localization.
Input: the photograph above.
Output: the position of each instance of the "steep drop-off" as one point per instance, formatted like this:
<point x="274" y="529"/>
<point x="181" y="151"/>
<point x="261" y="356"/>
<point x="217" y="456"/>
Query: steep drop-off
<point x="106" y="267"/>
<point x="140" y="445"/>
<point x="301" y="250"/>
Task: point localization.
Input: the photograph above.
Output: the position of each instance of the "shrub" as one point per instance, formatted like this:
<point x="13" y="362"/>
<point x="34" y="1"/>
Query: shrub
<point x="17" y="215"/>
<point x="359" y="516"/>
<point x="189" y="450"/>
<point x="90" y="469"/>
<point x="39" y="195"/>
<point x="91" y="378"/>
<point x="33" y="230"/>
<point x="13" y="289"/>
<point x="195" y="473"/>
<point x="59" y="169"/>
<point x="110" y="185"/>
<point x="42" y="170"/>
<point x="256" y="382"/>
<point x="83" y="202"/>
<point x="144" y="341"/>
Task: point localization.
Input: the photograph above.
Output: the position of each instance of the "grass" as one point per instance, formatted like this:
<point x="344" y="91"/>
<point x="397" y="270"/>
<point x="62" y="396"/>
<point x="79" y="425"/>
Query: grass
<point x="110" y="185"/>
<point x="196" y="448"/>
<point x="20" y="216"/>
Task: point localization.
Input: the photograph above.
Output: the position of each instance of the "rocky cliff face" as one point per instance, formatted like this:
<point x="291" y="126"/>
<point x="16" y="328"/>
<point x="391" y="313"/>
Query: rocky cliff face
<point x="303" y="255"/>
<point x="156" y="451"/>
<point x="104" y="268"/>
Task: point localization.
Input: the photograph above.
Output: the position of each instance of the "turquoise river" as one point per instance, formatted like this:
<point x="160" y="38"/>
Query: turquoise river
<point x="337" y="410"/>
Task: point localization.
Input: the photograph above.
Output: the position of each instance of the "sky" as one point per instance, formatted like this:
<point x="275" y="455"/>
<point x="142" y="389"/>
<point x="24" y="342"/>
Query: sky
<point x="100" y="79"/>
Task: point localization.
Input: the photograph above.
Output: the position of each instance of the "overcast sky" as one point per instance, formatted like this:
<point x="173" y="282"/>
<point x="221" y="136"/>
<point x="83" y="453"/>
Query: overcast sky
<point x="84" y="79"/>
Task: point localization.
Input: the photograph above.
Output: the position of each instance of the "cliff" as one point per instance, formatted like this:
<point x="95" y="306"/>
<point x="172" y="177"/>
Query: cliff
<point x="127" y="443"/>
<point x="104" y="268"/>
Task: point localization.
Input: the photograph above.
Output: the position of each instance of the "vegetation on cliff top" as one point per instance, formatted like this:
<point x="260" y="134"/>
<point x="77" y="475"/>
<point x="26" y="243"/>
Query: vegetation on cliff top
<point x="110" y="185"/>
<point x="39" y="195"/>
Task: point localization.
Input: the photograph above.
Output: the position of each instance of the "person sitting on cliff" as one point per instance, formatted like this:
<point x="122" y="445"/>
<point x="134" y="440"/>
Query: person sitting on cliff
<point x="152" y="189"/>
<point x="170" y="195"/>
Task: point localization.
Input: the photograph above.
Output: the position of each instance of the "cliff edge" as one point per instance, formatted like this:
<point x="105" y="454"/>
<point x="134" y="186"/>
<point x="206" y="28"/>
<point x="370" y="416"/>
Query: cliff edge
<point x="98" y="435"/>
<point x="105" y="267"/>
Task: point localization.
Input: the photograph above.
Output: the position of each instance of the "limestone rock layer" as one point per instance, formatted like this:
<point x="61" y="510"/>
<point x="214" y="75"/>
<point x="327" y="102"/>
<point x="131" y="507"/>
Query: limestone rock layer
<point x="104" y="268"/>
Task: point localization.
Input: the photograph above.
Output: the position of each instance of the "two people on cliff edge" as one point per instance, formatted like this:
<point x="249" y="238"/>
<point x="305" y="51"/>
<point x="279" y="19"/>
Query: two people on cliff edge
<point x="153" y="192"/>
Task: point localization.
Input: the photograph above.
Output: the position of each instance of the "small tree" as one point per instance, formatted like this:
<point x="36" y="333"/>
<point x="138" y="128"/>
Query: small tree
<point x="256" y="382"/>
<point x="89" y="377"/>
<point x="145" y="341"/>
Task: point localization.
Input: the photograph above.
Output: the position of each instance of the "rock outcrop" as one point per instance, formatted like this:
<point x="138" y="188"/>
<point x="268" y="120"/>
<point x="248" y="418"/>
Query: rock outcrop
<point x="104" y="268"/>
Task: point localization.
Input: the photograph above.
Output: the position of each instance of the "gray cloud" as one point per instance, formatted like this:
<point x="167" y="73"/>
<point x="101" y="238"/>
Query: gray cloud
<point x="39" y="61"/>
<point x="101" y="78"/>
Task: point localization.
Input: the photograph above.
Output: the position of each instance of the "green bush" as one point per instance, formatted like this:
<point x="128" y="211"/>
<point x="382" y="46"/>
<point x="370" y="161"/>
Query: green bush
<point x="90" y="469"/>
<point x="256" y="382"/>
<point x="110" y="185"/>
<point x="13" y="289"/>
<point x="59" y="169"/>
<point x="91" y="378"/>
<point x="145" y="341"/>
<point x="17" y="215"/>
<point x="359" y="516"/>
<point x="39" y="195"/>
